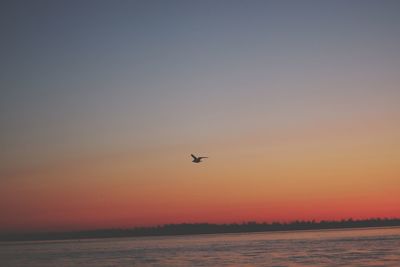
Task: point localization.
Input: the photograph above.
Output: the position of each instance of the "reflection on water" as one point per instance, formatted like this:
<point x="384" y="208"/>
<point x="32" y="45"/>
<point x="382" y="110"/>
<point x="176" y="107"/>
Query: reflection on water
<point x="360" y="247"/>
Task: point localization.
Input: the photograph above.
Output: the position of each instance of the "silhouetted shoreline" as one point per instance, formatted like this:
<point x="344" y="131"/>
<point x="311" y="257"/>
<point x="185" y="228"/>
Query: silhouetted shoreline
<point x="203" y="228"/>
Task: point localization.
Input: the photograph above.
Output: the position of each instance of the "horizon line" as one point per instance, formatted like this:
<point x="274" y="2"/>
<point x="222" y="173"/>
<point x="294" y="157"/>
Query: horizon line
<point x="202" y="228"/>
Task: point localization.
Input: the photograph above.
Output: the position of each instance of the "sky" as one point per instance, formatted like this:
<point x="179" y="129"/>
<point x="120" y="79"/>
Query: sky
<point x="296" y="104"/>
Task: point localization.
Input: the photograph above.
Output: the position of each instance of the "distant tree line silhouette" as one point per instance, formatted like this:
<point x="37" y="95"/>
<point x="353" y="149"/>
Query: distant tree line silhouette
<point x="204" y="228"/>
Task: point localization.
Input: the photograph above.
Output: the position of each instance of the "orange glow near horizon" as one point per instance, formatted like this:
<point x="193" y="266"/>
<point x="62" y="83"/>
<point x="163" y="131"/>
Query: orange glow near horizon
<point x="319" y="176"/>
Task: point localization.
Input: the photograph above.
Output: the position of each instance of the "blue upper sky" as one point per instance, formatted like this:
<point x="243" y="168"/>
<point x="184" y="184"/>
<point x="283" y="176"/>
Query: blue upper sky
<point x="99" y="75"/>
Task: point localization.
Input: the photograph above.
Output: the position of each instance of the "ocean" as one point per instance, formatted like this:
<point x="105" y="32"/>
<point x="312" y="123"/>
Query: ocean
<point x="351" y="247"/>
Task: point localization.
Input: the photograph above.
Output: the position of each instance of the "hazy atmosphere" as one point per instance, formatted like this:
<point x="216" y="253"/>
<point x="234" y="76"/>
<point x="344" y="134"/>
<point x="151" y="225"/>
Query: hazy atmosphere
<point x="296" y="104"/>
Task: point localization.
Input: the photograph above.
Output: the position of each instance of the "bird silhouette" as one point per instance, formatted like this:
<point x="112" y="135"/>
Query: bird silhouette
<point x="197" y="159"/>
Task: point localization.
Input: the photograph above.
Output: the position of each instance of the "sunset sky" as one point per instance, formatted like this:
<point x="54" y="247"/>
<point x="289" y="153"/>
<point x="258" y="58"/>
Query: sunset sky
<point x="296" y="103"/>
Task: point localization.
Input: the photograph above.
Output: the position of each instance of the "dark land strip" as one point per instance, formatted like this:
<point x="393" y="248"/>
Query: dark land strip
<point x="202" y="228"/>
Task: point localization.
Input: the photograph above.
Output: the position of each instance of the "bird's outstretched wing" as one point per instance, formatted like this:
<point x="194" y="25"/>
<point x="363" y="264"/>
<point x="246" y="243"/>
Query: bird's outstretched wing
<point x="193" y="156"/>
<point x="203" y="157"/>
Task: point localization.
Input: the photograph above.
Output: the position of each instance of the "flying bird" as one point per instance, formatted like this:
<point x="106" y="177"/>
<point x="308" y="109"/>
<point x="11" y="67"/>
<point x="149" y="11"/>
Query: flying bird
<point x="197" y="159"/>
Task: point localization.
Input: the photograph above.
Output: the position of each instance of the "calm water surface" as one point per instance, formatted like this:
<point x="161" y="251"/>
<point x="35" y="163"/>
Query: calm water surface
<point x="368" y="247"/>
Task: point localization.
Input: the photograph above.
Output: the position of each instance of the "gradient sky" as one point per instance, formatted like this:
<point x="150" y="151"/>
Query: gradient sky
<point x="297" y="104"/>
